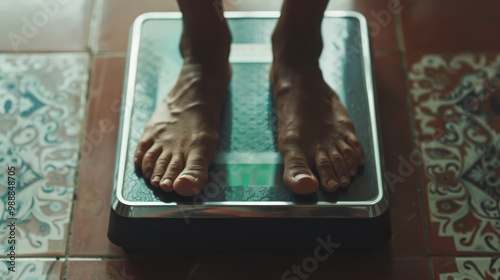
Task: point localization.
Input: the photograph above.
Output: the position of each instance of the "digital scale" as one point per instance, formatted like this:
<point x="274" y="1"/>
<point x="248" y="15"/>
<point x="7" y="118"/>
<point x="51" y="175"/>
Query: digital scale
<point x="245" y="203"/>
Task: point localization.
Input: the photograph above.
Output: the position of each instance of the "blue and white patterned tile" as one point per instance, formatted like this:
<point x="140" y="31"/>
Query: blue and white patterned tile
<point x="42" y="107"/>
<point x="456" y="101"/>
<point x="466" y="268"/>
<point x="31" y="269"/>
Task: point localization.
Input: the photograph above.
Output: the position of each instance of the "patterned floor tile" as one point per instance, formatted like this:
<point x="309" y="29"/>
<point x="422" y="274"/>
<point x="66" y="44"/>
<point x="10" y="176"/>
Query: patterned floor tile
<point x="46" y="25"/>
<point x="116" y="16"/>
<point x="456" y="103"/>
<point x="98" y="160"/>
<point x="401" y="179"/>
<point x="126" y="269"/>
<point x="437" y="26"/>
<point x="466" y="268"/>
<point x="27" y="269"/>
<point x="42" y="101"/>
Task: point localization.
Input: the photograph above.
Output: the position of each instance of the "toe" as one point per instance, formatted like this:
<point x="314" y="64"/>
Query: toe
<point x="329" y="181"/>
<point x="194" y="175"/>
<point x="349" y="156"/>
<point x="149" y="161"/>
<point x="174" y="168"/>
<point x="356" y="146"/>
<point x="297" y="175"/>
<point x="339" y="167"/>
<point x="141" y="149"/>
<point x="160" y="168"/>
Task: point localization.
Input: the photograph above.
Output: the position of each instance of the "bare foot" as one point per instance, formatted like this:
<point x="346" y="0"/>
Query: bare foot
<point x="180" y="139"/>
<point x="315" y="130"/>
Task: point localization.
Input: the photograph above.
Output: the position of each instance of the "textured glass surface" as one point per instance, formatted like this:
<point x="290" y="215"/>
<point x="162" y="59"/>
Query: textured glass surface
<point x="247" y="166"/>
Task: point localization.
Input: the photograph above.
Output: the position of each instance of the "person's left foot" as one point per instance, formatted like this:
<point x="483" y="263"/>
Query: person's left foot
<point x="314" y="127"/>
<point x="180" y="139"/>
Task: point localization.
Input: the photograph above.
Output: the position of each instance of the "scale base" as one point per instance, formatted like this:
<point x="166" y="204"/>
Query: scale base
<point x="248" y="206"/>
<point x="256" y="233"/>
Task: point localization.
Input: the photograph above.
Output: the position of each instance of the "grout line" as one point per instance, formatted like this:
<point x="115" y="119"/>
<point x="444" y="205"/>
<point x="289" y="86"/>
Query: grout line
<point x="104" y="257"/>
<point x="45" y="52"/>
<point x="65" y="269"/>
<point x="95" y="20"/>
<point x="110" y="53"/>
<point x="420" y="188"/>
<point x="430" y="262"/>
<point x="41" y="258"/>
<point x="151" y="255"/>
<point x="386" y="53"/>
<point x="148" y="256"/>
<point x="399" y="28"/>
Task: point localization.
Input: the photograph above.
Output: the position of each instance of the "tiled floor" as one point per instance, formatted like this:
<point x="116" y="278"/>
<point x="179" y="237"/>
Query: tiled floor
<point x="437" y="73"/>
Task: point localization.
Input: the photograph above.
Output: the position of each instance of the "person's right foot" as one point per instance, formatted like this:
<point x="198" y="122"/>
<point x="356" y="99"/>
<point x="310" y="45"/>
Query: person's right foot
<point x="315" y="130"/>
<point x="180" y="139"/>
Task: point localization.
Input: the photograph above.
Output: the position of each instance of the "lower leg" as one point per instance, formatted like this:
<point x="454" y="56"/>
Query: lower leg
<point x="205" y="37"/>
<point x="299" y="30"/>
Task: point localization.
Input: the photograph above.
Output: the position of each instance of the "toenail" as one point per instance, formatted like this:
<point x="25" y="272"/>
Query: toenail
<point x="300" y="176"/>
<point x="332" y="183"/>
<point x="189" y="177"/>
<point x="167" y="182"/>
<point x="344" y="180"/>
<point x="155" y="179"/>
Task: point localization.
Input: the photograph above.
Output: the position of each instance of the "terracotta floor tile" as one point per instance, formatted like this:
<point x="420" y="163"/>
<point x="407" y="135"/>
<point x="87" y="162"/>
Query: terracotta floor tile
<point x="466" y="268"/>
<point x="32" y="269"/>
<point x="400" y="173"/>
<point x="306" y="266"/>
<point x="457" y="115"/>
<point x="98" y="159"/>
<point x="42" y="107"/>
<point x="126" y="269"/>
<point x="253" y="266"/>
<point x="440" y="26"/>
<point x="117" y="17"/>
<point x="49" y="25"/>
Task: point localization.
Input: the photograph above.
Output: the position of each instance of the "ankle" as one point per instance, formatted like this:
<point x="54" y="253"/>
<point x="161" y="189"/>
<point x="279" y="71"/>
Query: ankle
<point x="212" y="49"/>
<point x="296" y="49"/>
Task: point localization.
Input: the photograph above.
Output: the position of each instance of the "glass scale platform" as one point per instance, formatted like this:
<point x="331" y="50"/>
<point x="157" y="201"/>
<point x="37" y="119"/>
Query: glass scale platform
<point x="245" y="198"/>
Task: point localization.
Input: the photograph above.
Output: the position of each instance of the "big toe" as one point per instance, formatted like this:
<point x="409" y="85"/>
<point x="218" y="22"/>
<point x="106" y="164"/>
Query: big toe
<point x="297" y="174"/>
<point x="194" y="176"/>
